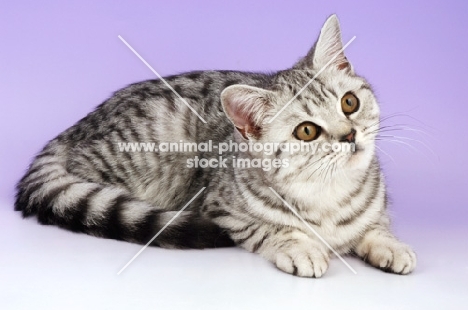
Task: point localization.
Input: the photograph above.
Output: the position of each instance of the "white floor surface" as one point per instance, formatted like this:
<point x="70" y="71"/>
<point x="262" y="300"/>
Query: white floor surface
<point x="44" y="267"/>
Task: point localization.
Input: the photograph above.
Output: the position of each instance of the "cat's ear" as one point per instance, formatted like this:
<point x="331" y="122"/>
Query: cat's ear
<point x="328" y="48"/>
<point x="246" y="107"/>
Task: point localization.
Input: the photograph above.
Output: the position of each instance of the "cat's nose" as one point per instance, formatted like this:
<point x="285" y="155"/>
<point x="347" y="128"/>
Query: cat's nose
<point x="350" y="137"/>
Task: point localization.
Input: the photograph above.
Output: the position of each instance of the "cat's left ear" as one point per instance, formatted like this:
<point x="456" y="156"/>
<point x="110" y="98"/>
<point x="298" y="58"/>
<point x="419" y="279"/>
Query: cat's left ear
<point x="246" y="107"/>
<point x="328" y="48"/>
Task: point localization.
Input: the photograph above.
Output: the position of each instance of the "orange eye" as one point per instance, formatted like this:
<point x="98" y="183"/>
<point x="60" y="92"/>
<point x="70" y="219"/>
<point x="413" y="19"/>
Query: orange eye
<point x="349" y="103"/>
<point x="307" y="131"/>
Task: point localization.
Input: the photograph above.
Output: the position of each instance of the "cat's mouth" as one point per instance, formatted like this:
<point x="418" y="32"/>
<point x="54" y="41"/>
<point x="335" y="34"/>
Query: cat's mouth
<point x="356" y="154"/>
<point x="358" y="148"/>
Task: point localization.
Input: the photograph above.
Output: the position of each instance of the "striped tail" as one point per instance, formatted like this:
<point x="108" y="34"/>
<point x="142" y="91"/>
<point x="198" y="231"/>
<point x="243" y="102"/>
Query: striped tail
<point x="59" y="198"/>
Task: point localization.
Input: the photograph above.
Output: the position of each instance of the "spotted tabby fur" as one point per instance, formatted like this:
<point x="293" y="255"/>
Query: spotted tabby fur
<point x="80" y="181"/>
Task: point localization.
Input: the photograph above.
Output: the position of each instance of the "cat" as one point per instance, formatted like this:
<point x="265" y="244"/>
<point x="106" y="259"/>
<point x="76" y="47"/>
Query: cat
<point x="83" y="182"/>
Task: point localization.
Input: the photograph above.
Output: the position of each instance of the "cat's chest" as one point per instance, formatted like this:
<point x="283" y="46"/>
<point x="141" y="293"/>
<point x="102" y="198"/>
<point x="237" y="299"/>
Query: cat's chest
<point x="327" y="200"/>
<point x="339" y="215"/>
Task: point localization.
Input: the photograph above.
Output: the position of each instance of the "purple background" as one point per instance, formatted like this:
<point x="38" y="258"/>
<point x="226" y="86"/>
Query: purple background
<point x="58" y="60"/>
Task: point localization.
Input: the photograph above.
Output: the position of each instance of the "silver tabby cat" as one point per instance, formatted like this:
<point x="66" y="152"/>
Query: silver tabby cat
<point x="83" y="182"/>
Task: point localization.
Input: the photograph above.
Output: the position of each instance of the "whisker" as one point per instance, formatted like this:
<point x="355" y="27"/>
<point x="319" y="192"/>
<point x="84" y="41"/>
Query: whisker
<point x="387" y="117"/>
<point x="402" y="127"/>
<point x="321" y="164"/>
<point x="401" y="142"/>
<point x="399" y="114"/>
<point x="411" y="139"/>
<point x="390" y="129"/>
<point x="380" y="149"/>
<point x="408" y="145"/>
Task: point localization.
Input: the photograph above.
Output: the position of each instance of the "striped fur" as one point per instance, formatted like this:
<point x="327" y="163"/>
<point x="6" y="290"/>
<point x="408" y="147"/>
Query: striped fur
<point x="82" y="182"/>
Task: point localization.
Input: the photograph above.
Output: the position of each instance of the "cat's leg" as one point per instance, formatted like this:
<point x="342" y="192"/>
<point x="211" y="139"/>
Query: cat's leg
<point x="380" y="248"/>
<point x="291" y="250"/>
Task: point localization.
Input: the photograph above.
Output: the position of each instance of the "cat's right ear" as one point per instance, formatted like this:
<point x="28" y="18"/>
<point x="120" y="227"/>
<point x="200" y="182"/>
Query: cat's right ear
<point x="246" y="107"/>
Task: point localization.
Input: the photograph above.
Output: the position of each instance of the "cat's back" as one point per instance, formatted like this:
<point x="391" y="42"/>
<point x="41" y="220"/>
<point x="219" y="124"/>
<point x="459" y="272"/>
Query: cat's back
<point x="182" y="107"/>
<point x="100" y="147"/>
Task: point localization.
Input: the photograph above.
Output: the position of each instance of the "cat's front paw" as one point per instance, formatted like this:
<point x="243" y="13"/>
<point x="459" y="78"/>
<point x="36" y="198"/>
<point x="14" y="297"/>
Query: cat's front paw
<point x="304" y="260"/>
<point x="391" y="256"/>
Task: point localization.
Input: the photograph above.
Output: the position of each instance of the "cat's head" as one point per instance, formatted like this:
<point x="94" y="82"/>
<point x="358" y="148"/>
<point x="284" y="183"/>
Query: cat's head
<point x="331" y="106"/>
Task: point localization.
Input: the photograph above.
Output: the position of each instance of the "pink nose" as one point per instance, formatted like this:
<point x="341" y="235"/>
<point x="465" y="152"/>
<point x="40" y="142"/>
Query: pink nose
<point x="350" y="137"/>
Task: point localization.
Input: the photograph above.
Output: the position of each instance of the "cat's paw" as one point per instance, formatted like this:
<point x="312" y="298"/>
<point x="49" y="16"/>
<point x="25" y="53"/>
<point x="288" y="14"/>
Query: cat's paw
<point x="391" y="256"/>
<point x="303" y="260"/>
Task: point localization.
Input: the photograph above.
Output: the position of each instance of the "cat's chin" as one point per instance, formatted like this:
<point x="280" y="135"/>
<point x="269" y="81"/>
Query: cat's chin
<point x="360" y="158"/>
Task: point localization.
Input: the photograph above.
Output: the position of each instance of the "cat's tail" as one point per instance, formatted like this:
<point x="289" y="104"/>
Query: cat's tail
<point x="59" y="198"/>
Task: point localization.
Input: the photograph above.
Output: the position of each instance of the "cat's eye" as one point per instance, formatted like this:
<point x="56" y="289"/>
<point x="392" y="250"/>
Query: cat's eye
<point x="349" y="103"/>
<point x="307" y="131"/>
